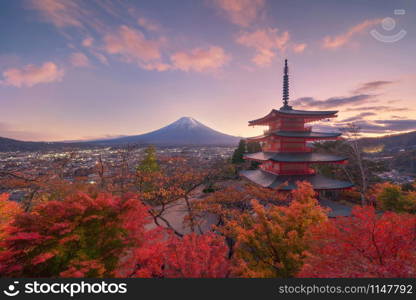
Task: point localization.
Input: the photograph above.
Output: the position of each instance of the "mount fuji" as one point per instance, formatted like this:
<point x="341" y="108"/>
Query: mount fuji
<point x="185" y="131"/>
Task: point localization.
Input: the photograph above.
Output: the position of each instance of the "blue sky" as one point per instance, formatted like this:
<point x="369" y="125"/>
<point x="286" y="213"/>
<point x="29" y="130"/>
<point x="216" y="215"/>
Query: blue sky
<point x="91" y="69"/>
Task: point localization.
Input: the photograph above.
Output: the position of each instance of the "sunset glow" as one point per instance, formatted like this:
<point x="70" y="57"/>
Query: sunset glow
<point x="80" y="70"/>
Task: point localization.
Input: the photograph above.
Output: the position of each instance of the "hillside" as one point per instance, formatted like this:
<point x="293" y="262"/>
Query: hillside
<point x="185" y="131"/>
<point x="392" y="142"/>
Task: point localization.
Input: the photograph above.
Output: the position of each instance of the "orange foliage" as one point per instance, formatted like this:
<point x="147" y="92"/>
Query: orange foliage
<point x="271" y="242"/>
<point x="8" y="210"/>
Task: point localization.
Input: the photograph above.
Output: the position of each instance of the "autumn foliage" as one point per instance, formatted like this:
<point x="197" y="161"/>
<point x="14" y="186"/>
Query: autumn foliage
<point x="79" y="236"/>
<point x="8" y="210"/>
<point x="364" y="245"/>
<point x="196" y="256"/>
<point x="103" y="236"/>
<point x="392" y="197"/>
<point x="258" y="233"/>
<point x="271" y="241"/>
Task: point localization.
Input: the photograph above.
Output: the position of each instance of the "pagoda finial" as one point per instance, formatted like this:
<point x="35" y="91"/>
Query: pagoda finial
<point x="286" y="87"/>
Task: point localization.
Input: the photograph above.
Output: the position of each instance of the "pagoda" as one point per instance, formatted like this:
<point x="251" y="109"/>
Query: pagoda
<point x="286" y="157"/>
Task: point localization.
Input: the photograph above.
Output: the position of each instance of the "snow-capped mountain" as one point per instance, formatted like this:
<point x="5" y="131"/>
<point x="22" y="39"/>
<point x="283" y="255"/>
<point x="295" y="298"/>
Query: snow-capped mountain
<point x="185" y="131"/>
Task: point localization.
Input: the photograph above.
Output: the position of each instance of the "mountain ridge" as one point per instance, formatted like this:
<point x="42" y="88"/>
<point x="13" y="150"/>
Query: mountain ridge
<point x="185" y="124"/>
<point x="184" y="131"/>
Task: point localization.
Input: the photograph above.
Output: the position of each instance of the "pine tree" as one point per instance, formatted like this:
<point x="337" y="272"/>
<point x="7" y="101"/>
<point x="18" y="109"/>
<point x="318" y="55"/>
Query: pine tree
<point x="239" y="152"/>
<point x="149" y="163"/>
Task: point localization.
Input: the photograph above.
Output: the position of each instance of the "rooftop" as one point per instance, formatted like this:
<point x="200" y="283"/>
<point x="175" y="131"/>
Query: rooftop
<point x="278" y="182"/>
<point x="300" y="134"/>
<point x="307" y="114"/>
<point x="295" y="157"/>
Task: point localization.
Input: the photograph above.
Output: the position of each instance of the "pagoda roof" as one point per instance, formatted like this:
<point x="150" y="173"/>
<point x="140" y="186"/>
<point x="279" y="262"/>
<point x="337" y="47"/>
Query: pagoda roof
<point x="299" y="134"/>
<point x="306" y="134"/>
<point x="277" y="182"/>
<point x="294" y="157"/>
<point x="284" y="112"/>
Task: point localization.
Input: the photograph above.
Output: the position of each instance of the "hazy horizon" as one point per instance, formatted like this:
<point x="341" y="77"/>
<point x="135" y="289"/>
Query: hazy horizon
<point x="83" y="70"/>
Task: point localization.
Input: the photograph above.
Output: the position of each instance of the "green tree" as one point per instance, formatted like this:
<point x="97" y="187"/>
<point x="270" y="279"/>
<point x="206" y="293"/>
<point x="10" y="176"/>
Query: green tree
<point x="391" y="197"/>
<point x="149" y="163"/>
<point x="239" y="152"/>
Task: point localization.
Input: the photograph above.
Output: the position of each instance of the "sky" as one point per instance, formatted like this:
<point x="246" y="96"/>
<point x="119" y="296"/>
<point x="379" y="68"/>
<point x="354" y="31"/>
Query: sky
<point x="79" y="70"/>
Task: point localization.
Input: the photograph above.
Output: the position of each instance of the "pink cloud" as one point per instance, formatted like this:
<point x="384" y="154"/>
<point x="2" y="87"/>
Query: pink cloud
<point x="132" y="46"/>
<point x="87" y="42"/>
<point x="157" y="66"/>
<point x="343" y="39"/>
<point x="31" y="75"/>
<point x="148" y="24"/>
<point x="61" y="13"/>
<point x="266" y="42"/>
<point x="79" y="60"/>
<point x="240" y="12"/>
<point x="299" y="48"/>
<point x="199" y="59"/>
<point x="101" y="57"/>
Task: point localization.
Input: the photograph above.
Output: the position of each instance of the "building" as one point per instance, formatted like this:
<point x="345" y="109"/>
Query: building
<point x="285" y="157"/>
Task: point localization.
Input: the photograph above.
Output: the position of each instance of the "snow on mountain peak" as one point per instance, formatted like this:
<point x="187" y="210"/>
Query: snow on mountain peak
<point x="186" y="122"/>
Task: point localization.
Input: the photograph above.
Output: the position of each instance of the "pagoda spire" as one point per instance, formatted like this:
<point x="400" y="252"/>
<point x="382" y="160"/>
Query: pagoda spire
<point x="286" y="105"/>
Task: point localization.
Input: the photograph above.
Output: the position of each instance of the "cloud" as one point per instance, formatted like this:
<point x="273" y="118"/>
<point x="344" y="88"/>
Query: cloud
<point x="148" y="24"/>
<point x="87" y="42"/>
<point x="141" y="42"/>
<point x="266" y="42"/>
<point x="132" y="46"/>
<point x="377" y="108"/>
<point x="31" y="75"/>
<point x="360" y="116"/>
<point x="382" y="126"/>
<point x="100" y="57"/>
<point x="61" y="13"/>
<point x="343" y="39"/>
<point x="299" y="48"/>
<point x="372" y="86"/>
<point x="332" y="102"/>
<point x="200" y="59"/>
<point x="398" y="125"/>
<point x="79" y="60"/>
<point x="240" y="12"/>
<point x="157" y="66"/>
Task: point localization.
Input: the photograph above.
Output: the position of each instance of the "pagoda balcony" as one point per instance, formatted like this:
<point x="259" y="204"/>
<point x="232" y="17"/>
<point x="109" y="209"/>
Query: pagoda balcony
<point x="297" y="172"/>
<point x="271" y="170"/>
<point x="297" y="150"/>
<point x="288" y="129"/>
<point x="295" y="129"/>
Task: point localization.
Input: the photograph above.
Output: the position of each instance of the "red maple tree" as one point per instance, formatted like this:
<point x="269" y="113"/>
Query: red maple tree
<point x="78" y="236"/>
<point x="366" y="244"/>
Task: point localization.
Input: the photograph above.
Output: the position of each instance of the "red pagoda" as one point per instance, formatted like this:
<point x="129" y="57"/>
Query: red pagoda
<point x="286" y="157"/>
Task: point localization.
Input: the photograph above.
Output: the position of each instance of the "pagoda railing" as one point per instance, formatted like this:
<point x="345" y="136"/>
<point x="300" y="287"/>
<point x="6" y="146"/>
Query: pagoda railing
<point x="298" y="149"/>
<point x="295" y="129"/>
<point x="288" y="172"/>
